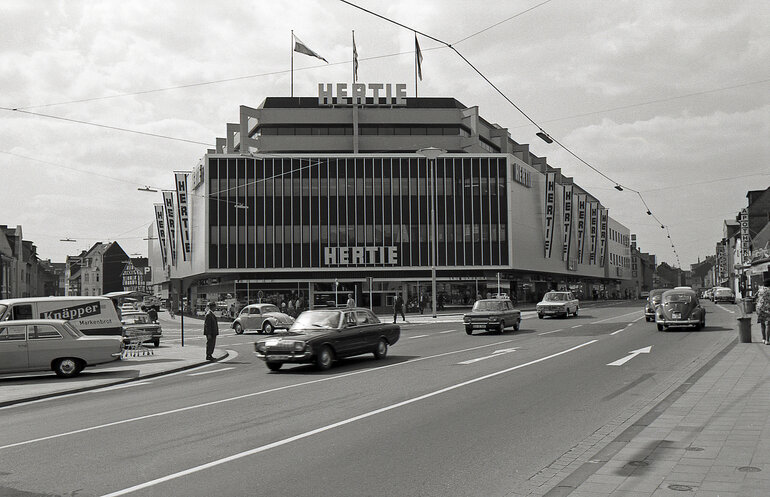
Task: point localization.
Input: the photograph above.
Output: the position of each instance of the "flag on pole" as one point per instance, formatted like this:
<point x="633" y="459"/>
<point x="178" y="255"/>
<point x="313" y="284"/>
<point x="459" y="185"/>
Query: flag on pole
<point x="304" y="49"/>
<point x="418" y="56"/>
<point x="355" y="59"/>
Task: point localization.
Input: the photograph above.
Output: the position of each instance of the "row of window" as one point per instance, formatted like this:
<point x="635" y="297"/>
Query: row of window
<point x="364" y="130"/>
<point x="619" y="260"/>
<point x="617" y="236"/>
<point x="35" y="332"/>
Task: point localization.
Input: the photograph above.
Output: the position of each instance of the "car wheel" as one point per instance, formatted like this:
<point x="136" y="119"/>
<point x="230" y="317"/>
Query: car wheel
<point x="382" y="349"/>
<point x="660" y="327"/>
<point x="324" y="359"/>
<point x="469" y="330"/>
<point x="501" y="328"/>
<point x="274" y="366"/>
<point x="67" y="367"/>
<point x="156" y="342"/>
<point x="517" y="324"/>
<point x="267" y="328"/>
<point x="238" y="328"/>
<point x="539" y="315"/>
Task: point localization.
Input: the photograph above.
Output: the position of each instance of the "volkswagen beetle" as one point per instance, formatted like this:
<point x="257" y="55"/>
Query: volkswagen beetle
<point x="680" y="308"/>
<point x="262" y="318"/>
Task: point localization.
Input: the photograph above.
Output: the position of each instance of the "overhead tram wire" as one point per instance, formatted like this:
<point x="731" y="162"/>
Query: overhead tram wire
<point x="541" y="132"/>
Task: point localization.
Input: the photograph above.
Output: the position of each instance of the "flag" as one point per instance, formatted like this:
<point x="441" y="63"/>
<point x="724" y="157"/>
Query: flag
<point x="302" y="48"/>
<point x="355" y="59"/>
<point x="418" y="56"/>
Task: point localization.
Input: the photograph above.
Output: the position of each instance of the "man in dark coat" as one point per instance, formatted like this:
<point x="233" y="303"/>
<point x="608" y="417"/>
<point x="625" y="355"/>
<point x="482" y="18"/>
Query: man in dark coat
<point x="398" y="308"/>
<point x="211" y="330"/>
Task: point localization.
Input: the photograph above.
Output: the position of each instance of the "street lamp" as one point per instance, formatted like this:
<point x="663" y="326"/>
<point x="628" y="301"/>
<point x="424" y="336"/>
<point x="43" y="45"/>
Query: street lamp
<point x="432" y="153"/>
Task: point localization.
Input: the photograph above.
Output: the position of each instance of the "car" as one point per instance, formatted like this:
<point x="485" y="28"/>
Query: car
<point x="492" y="315"/>
<point x="53" y="344"/>
<point x="653" y="301"/>
<point x="262" y="318"/>
<point x="320" y="336"/>
<point x="680" y="308"/>
<point x="644" y="294"/>
<point x="724" y="295"/>
<point x="558" y="304"/>
<point x="138" y="325"/>
<point x="91" y="315"/>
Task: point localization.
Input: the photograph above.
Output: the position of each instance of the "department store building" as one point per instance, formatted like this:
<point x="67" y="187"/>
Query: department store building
<point x="325" y="196"/>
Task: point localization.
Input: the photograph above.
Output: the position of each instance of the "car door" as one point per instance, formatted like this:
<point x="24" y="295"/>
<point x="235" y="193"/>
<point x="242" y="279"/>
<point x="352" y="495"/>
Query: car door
<point x="44" y="344"/>
<point x="13" y="347"/>
<point x="369" y="331"/>
<point x="348" y="341"/>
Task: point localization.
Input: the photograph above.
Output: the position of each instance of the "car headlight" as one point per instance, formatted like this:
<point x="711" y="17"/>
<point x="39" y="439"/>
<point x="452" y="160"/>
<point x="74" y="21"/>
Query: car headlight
<point x="299" y="346"/>
<point x="466" y="319"/>
<point x="494" y="318"/>
<point x="259" y="347"/>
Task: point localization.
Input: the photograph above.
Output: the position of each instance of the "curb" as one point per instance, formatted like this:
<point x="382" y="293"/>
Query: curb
<point x="119" y="382"/>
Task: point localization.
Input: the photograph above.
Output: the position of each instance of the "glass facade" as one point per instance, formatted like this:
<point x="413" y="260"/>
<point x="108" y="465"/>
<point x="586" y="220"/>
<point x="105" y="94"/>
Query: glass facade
<point x="363" y="211"/>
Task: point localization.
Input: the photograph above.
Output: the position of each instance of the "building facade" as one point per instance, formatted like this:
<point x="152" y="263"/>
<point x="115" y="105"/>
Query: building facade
<point x="320" y="198"/>
<point x="96" y="271"/>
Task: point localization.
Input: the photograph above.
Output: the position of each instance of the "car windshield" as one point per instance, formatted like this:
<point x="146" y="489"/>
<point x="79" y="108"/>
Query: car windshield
<point x="684" y="298"/>
<point x="317" y="319"/>
<point x="724" y="292"/>
<point x="269" y="308"/>
<point x="136" y="318"/>
<point x="486" y="305"/>
<point x="554" y="297"/>
<point x="3" y="308"/>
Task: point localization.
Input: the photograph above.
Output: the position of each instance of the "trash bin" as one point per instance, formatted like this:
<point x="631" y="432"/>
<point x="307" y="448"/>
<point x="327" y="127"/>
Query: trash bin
<point x="744" y="329"/>
<point x="748" y="305"/>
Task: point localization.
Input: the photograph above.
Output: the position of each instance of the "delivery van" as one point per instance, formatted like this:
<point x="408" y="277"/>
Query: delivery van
<point x="90" y="315"/>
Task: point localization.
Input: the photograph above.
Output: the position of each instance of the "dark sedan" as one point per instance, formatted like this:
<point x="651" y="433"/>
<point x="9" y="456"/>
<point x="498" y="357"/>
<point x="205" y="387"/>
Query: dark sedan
<point x="679" y="308"/>
<point x="492" y="315"/>
<point x="323" y="335"/>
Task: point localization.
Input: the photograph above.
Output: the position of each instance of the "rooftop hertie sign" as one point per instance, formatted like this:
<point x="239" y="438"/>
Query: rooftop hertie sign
<point x="381" y="93"/>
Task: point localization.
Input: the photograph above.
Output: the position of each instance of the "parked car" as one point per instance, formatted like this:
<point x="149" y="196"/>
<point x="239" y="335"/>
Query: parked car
<point x="262" y="318"/>
<point x="558" y="304"/>
<point x="321" y="336"/>
<point x="52" y="344"/>
<point x="653" y="301"/>
<point x="138" y="324"/>
<point x="90" y="315"/>
<point x="492" y="315"/>
<point x="724" y="295"/>
<point x="679" y="308"/>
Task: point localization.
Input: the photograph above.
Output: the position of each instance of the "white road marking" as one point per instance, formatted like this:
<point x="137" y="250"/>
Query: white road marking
<point x="577" y="326"/>
<point x="122" y="385"/>
<point x="209" y="372"/>
<point x="239" y="397"/>
<point x="725" y="309"/>
<point x="616" y="317"/>
<point x="447" y="331"/>
<point x="631" y="355"/>
<point x="496" y="353"/>
<point x="635" y="320"/>
<point x="419" y="336"/>
<point x="332" y="426"/>
<point x="618" y="331"/>
<point x="549" y="332"/>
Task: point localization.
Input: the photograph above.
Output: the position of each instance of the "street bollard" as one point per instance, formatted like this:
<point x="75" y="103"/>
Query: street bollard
<point x="748" y="305"/>
<point x="744" y="329"/>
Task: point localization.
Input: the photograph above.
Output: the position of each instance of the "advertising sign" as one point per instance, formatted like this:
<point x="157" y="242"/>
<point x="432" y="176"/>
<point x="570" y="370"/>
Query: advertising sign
<point x="184" y="216"/>
<point x="593" y="233"/>
<point x="381" y="94"/>
<point x="567" y="204"/>
<point x="168" y="208"/>
<point x="602" y="235"/>
<point x="581" y="224"/>
<point x="722" y="262"/>
<point x="745" y="237"/>
<point x="160" y="223"/>
<point x="364" y="256"/>
<point x="550" y="208"/>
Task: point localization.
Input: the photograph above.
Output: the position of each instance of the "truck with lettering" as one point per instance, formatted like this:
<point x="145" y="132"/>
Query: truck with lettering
<point x="91" y="315"/>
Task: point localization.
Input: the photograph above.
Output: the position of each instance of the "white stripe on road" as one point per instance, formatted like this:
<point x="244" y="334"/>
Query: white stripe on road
<point x="122" y="385"/>
<point x="725" y="309"/>
<point x="209" y="372"/>
<point x="616" y="317"/>
<point x="577" y="326"/>
<point x="322" y="429"/>
<point x="549" y="332"/>
<point x="447" y="331"/>
<point x="618" y="331"/>
<point x="419" y="336"/>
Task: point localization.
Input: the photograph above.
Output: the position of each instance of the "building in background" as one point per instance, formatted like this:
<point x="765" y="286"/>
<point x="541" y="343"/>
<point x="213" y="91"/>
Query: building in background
<point x="96" y="271"/>
<point x="22" y="272"/>
<point x="137" y="275"/>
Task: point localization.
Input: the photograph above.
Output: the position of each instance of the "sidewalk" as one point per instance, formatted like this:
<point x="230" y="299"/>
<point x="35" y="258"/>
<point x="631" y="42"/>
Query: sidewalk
<point x="149" y="362"/>
<point x="713" y="440"/>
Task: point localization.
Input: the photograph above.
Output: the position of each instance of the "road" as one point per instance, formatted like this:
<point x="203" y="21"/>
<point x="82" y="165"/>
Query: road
<point x="445" y="414"/>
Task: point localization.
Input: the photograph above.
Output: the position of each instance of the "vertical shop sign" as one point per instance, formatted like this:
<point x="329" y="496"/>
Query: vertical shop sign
<point x="159" y="222"/>
<point x="581" y="226"/>
<point x="721" y="262"/>
<point x="567" y="222"/>
<point x="602" y="235"/>
<point x="593" y="231"/>
<point x="550" y="207"/>
<point x="184" y="216"/>
<point x="745" y="237"/>
<point x="168" y="204"/>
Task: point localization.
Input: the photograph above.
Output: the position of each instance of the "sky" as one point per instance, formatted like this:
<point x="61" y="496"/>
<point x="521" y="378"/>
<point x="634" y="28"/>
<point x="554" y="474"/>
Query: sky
<point x="671" y="99"/>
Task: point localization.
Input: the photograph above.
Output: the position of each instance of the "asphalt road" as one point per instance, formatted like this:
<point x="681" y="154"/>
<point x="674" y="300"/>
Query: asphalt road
<point x="445" y="414"/>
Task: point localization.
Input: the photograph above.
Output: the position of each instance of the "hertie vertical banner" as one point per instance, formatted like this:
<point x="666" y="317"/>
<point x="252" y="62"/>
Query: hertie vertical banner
<point x="168" y="204"/>
<point x="593" y="230"/>
<point x="581" y="226"/>
<point x="602" y="235"/>
<point x="745" y="237"/>
<point x="184" y="216"/>
<point x="567" y="205"/>
<point x="159" y="222"/>
<point x="550" y="207"/>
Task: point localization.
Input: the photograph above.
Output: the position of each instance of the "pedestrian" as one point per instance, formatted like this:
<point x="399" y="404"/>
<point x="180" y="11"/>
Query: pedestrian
<point x="351" y="301"/>
<point x="153" y="314"/>
<point x="763" y="311"/>
<point x="398" y="308"/>
<point x="423" y="298"/>
<point x="291" y="308"/>
<point x="211" y="330"/>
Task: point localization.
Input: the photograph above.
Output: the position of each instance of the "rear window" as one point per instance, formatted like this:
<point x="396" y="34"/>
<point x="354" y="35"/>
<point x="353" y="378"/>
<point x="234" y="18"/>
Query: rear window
<point x="3" y="308"/>
<point x="678" y="297"/>
<point x="74" y="332"/>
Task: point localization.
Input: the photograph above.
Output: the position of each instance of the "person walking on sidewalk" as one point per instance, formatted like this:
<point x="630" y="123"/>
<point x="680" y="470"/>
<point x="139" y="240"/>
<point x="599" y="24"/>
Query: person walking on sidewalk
<point x="763" y="311"/>
<point x="398" y="308"/>
<point x="211" y="330"/>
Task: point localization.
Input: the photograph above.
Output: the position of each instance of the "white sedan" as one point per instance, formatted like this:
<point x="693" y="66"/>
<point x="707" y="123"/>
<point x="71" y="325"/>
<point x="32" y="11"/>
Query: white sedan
<point x="558" y="304"/>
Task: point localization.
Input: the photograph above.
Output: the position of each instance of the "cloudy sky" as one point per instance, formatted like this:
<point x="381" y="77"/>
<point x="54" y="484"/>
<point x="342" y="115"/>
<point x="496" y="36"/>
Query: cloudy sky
<point x="668" y="98"/>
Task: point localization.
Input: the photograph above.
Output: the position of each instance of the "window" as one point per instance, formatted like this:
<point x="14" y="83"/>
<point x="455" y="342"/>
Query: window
<point x="14" y="332"/>
<point x="22" y="312"/>
<point x="43" y="331"/>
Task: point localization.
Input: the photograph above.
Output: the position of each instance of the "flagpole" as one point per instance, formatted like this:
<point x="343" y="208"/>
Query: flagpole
<point x="354" y="59"/>
<point x="292" y="63"/>
<point x="415" y="65"/>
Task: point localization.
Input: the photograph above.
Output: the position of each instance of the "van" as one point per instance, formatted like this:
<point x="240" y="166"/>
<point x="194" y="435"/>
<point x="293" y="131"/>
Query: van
<point x="90" y="315"/>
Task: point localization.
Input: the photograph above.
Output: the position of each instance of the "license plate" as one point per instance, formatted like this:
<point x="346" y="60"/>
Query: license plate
<point x="676" y="315"/>
<point x="278" y="357"/>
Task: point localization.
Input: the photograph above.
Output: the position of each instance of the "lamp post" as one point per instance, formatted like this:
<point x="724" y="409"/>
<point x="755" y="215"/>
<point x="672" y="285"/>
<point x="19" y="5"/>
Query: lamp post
<point x="432" y="153"/>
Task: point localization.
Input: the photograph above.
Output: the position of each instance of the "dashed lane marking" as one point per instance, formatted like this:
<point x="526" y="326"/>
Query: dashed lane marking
<point x="209" y="372"/>
<point x="577" y="326"/>
<point x="419" y="336"/>
<point x="549" y="332"/>
<point x="447" y="331"/>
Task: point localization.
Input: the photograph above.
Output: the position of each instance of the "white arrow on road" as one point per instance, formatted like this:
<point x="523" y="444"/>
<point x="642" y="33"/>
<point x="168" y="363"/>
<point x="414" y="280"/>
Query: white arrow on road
<point x="494" y="354"/>
<point x="630" y="356"/>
